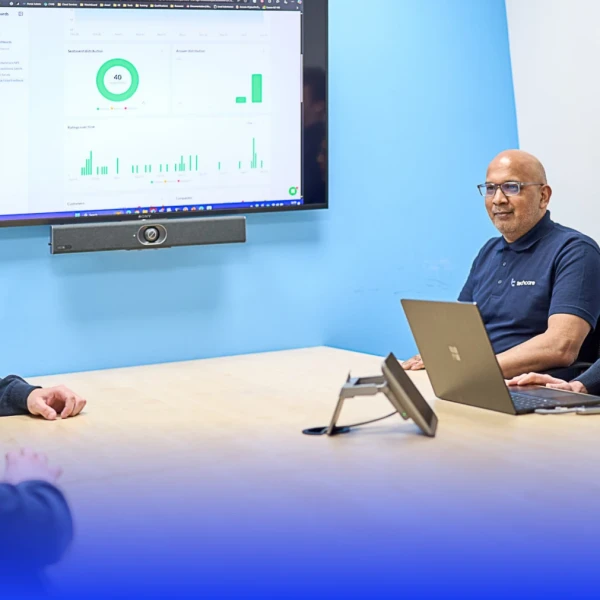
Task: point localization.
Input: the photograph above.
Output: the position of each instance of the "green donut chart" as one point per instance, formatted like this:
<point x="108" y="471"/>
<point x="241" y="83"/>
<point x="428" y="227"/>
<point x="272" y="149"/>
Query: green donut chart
<point x="105" y="68"/>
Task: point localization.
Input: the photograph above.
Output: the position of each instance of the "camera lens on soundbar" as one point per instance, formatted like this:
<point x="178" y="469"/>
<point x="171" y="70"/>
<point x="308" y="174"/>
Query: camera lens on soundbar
<point x="151" y="234"/>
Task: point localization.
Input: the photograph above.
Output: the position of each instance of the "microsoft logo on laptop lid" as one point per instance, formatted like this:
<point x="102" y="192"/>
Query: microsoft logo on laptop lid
<point x="454" y="353"/>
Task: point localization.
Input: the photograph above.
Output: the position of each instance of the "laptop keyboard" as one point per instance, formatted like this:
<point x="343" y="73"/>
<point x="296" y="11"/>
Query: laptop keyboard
<point x="524" y="402"/>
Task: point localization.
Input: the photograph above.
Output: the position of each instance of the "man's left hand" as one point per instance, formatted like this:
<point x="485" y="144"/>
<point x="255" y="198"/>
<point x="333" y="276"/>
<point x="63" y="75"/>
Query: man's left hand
<point x="548" y="381"/>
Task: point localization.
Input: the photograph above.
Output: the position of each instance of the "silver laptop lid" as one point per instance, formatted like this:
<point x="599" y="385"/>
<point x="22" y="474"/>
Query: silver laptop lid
<point x="457" y="353"/>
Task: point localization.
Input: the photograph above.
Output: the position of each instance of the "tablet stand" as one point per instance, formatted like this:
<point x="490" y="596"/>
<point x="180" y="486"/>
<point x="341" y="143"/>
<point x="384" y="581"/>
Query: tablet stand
<point x="397" y="387"/>
<point x="360" y="386"/>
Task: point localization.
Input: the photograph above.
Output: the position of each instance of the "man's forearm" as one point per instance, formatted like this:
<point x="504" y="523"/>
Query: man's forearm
<point x="538" y="354"/>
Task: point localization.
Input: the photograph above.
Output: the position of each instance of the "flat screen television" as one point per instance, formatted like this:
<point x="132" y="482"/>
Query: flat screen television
<point x="112" y="111"/>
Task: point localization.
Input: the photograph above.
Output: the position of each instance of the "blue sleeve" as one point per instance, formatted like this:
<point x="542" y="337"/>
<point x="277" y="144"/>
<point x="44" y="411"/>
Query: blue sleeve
<point x="591" y="379"/>
<point x="13" y="396"/>
<point x="466" y="294"/>
<point x="35" y="525"/>
<point x="576" y="286"/>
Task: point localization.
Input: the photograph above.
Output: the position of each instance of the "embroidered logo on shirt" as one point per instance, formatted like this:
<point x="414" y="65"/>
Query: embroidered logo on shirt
<point x="514" y="283"/>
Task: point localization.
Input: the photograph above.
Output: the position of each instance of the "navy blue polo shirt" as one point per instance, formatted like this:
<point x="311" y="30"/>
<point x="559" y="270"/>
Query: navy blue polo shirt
<point x="550" y="270"/>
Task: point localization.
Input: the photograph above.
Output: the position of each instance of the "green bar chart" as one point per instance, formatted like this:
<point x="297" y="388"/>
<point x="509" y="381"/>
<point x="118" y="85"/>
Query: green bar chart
<point x="256" y="88"/>
<point x="89" y="170"/>
<point x="185" y="163"/>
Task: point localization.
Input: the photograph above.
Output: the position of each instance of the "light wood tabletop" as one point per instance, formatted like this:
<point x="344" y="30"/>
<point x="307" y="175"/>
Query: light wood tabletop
<point x="243" y="404"/>
<point x="224" y="436"/>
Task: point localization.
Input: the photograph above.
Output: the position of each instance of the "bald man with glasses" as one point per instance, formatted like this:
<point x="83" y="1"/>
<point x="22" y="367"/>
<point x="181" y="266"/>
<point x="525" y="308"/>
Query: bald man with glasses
<point x="538" y="284"/>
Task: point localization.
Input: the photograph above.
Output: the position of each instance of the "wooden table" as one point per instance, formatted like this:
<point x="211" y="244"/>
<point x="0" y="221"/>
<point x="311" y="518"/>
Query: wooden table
<point x="215" y="446"/>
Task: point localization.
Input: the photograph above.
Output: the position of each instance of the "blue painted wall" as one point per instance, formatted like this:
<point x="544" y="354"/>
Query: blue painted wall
<point x="421" y="99"/>
<point x="92" y="311"/>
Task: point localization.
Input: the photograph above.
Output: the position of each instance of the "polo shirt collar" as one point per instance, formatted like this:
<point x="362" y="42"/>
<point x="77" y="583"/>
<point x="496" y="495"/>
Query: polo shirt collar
<point x="534" y="235"/>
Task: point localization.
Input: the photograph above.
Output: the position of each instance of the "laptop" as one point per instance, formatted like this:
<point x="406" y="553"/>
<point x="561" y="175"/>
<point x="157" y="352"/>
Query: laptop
<point x="463" y="368"/>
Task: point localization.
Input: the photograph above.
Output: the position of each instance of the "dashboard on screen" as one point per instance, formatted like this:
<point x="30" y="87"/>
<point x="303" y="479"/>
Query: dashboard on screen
<point x="113" y="110"/>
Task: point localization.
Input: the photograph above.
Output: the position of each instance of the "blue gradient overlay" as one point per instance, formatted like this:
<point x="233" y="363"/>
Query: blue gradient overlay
<point x="326" y="535"/>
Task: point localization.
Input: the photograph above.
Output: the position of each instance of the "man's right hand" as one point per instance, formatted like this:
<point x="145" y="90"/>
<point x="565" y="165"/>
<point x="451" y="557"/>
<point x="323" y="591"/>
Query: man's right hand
<point x="413" y="364"/>
<point x="26" y="465"/>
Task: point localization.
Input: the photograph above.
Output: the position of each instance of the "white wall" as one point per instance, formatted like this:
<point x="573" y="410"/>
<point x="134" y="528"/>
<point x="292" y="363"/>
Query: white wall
<point x="555" y="54"/>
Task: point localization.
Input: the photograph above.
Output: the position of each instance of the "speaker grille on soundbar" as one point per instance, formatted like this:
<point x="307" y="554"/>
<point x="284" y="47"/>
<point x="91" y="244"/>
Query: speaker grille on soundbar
<point x="133" y="235"/>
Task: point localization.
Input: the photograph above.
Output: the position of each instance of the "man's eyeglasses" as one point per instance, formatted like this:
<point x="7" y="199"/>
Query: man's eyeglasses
<point x="509" y="188"/>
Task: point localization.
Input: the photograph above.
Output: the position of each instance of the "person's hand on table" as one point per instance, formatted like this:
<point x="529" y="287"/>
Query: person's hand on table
<point x="413" y="364"/>
<point x="547" y="381"/>
<point x="52" y="403"/>
<point x="26" y="465"/>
